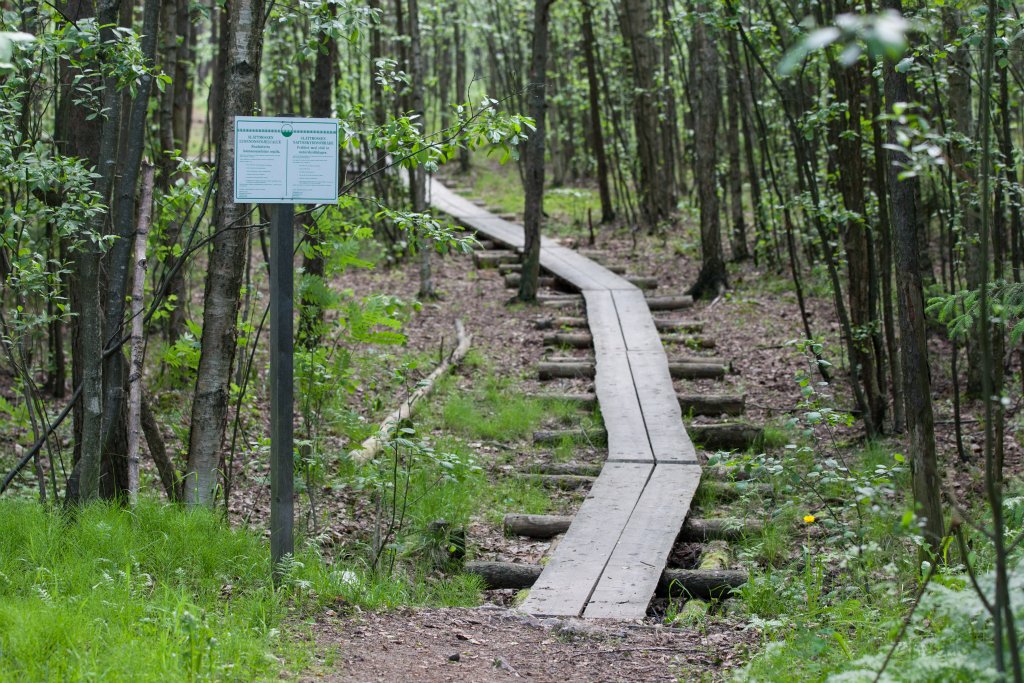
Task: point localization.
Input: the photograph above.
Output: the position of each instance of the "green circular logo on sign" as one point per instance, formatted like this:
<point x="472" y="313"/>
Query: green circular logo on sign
<point x="286" y="130"/>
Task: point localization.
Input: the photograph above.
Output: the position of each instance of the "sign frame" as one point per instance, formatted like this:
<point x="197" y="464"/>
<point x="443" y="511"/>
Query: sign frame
<point x="257" y="138"/>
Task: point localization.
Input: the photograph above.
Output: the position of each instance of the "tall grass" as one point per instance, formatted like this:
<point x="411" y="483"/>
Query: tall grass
<point x="164" y="594"/>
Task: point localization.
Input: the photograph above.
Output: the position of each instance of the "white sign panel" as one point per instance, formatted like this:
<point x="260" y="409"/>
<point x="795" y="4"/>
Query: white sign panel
<point x="286" y="160"/>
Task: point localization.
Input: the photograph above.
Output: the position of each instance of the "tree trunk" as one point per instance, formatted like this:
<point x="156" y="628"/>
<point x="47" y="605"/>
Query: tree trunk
<point x="656" y="186"/>
<point x="712" y="279"/>
<point x="311" y="313"/>
<point x="913" y="340"/>
<point x="533" y="207"/>
<point x="740" y="252"/>
<point x="593" y="98"/>
<point x="227" y="260"/>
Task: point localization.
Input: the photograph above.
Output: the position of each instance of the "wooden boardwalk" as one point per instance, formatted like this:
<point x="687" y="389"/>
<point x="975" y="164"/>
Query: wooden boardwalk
<point x="609" y="562"/>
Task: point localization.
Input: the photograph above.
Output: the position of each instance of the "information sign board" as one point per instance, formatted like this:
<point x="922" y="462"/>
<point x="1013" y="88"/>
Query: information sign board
<point x="286" y="160"/>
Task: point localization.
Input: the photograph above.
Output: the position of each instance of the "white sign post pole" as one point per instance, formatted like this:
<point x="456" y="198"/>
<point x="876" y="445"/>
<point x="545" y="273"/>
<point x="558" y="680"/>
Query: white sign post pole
<point x="283" y="161"/>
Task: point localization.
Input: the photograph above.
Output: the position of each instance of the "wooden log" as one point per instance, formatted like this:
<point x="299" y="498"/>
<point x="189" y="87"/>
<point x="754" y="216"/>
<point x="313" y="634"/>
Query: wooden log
<point x="560" y="300"/>
<point x="669" y="303"/>
<point x="714" y="558"/>
<point x="584" y="469"/>
<point x="692" y="582"/>
<point x="498" y="575"/>
<point x="559" y="322"/>
<point x="595" y="255"/>
<point x="643" y="282"/>
<point x="582" y="340"/>
<point x="694" y="530"/>
<point x="553" y="437"/>
<point x="679" y="325"/>
<point x="371" y="446"/>
<point x="577" y="340"/>
<point x="566" y="482"/>
<point x="693" y="341"/>
<point x="711" y="405"/>
<point x="678" y="369"/>
<point x="506" y="268"/>
<point x="549" y="370"/>
<point x="508" y="216"/>
<point x="512" y="281"/>
<point x="494" y="258"/>
<point x="700" y="583"/>
<point x="727" y="436"/>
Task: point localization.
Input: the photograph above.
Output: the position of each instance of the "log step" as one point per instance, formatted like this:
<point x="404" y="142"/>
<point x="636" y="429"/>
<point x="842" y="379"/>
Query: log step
<point x="643" y="282"/>
<point x="711" y="368"/>
<point x="674" y="582"/>
<point x="709" y="405"/>
<point x="566" y="482"/>
<point x="669" y="303"/>
<point x="493" y="258"/>
<point x="515" y="268"/>
<point x="726" y="436"/>
<point x="694" y="530"/>
<point x="512" y="281"/>
<point x="583" y="340"/>
<point x="560" y="322"/>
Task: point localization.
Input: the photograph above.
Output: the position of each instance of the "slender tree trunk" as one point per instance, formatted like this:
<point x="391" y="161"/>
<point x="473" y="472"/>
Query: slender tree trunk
<point x="220" y="307"/>
<point x="417" y="174"/>
<point x="593" y="98"/>
<point x="460" y="78"/>
<point x="311" y="313"/>
<point x="740" y="252"/>
<point x="656" y="186"/>
<point x="913" y="339"/>
<point x="712" y="279"/>
<point x="533" y="208"/>
<point x="117" y="265"/>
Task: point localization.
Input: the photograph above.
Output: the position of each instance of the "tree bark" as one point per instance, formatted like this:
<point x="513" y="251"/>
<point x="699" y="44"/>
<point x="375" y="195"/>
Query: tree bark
<point x="533" y="207"/>
<point x="227" y="261"/>
<point x="712" y="279"/>
<point x="913" y="340"/>
<point x="656" y="179"/>
<point x="593" y="99"/>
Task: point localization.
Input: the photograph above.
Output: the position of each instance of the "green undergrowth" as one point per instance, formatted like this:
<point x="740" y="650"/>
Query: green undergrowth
<point x="839" y="563"/>
<point x="566" y="208"/>
<point x="164" y="594"/>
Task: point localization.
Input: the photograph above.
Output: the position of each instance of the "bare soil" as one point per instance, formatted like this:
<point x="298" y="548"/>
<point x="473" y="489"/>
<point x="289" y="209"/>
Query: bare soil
<point x="495" y="644"/>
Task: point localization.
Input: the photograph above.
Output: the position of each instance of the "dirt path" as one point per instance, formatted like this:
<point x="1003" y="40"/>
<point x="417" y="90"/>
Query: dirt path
<point x="494" y="644"/>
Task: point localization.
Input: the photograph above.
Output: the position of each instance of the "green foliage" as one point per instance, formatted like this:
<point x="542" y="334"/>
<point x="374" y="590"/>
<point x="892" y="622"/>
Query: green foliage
<point x="159" y="594"/>
<point x="959" y="312"/>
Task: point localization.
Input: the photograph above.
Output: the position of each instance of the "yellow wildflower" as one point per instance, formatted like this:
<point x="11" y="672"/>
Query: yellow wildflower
<point x="809" y="519"/>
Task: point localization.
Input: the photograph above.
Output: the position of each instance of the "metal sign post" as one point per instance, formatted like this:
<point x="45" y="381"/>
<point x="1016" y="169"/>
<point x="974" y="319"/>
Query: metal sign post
<point x="283" y="161"/>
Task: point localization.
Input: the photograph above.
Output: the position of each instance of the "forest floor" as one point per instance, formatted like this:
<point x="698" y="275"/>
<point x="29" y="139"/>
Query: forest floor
<point x="753" y="325"/>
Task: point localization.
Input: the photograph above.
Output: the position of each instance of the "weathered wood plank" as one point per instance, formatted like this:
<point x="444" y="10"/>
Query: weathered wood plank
<point x="663" y="418"/>
<point x="565" y="585"/>
<point x="637" y="325"/>
<point x="603" y="321"/>
<point x="629" y="581"/>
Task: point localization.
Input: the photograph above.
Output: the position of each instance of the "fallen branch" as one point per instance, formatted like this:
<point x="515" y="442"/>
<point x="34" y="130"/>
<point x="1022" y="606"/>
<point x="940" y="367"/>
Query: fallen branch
<point x="372" y="445"/>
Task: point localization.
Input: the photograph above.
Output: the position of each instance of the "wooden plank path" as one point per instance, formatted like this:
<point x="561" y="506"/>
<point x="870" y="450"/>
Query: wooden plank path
<point x="608" y="564"/>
